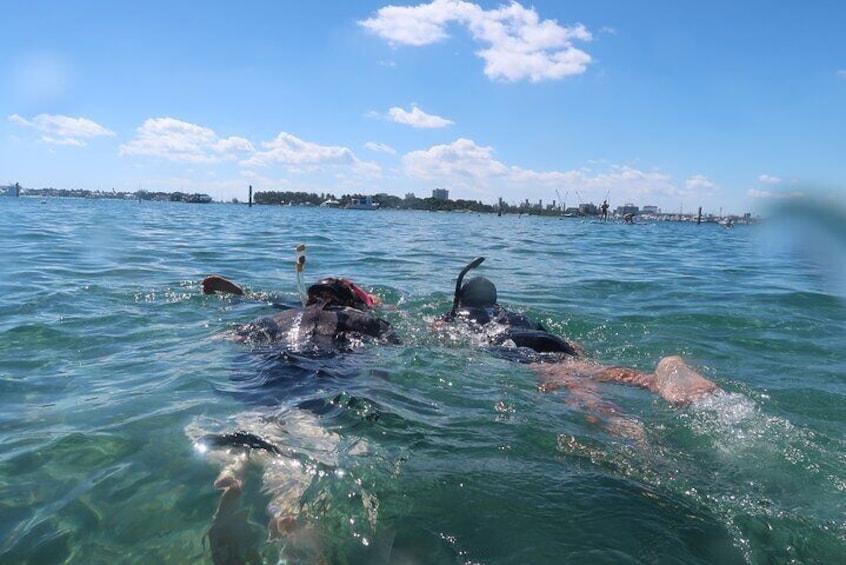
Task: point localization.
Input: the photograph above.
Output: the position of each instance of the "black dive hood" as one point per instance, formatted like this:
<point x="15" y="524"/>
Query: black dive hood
<point x="471" y="265"/>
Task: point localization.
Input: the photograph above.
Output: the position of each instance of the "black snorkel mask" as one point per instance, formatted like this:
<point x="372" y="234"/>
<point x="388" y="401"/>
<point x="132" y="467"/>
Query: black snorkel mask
<point x="456" y="301"/>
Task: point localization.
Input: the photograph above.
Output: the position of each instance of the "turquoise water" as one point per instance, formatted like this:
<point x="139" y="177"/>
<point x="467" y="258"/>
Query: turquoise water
<point x="433" y="451"/>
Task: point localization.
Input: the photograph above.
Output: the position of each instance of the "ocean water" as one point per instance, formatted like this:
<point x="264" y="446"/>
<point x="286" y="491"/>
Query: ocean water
<point x="112" y="367"/>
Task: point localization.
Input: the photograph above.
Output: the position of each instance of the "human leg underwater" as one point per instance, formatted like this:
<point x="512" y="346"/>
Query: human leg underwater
<point x="674" y="380"/>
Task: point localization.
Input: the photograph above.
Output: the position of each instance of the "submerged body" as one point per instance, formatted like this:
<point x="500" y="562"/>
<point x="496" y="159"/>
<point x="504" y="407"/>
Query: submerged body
<point x="510" y="334"/>
<point x="316" y="328"/>
<point x="297" y="361"/>
<point x="557" y="362"/>
<point x="335" y="318"/>
<point x="513" y="332"/>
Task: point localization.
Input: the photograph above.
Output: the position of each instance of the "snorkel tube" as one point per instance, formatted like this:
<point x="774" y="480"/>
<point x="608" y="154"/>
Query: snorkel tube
<point x="471" y="265"/>
<point x="299" y="265"/>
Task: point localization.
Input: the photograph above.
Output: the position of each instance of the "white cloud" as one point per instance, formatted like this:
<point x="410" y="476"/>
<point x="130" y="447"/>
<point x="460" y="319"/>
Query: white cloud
<point x="301" y="156"/>
<point x="63" y="141"/>
<point x="366" y="169"/>
<point x="234" y="145"/>
<point x="773" y="195"/>
<point x="417" y="118"/>
<point x="178" y="141"/>
<point x="63" y="130"/>
<point x="415" y="25"/>
<point x="462" y="159"/>
<point x="286" y="149"/>
<point x="628" y="181"/>
<point x="464" y="165"/>
<point x="518" y="44"/>
<point x="768" y="179"/>
<point x="699" y="184"/>
<point x="380" y="148"/>
<point x="175" y="140"/>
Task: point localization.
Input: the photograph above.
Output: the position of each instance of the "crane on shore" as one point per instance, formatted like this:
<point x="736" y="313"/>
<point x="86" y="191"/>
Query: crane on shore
<point x="560" y="201"/>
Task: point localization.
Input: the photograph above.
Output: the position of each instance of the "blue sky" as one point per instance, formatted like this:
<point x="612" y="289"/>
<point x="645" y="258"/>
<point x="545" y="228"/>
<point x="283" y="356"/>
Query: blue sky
<point x="726" y="105"/>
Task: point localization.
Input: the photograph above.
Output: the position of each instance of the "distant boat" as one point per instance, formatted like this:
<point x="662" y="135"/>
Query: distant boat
<point x="197" y="198"/>
<point x="330" y="204"/>
<point x="365" y="203"/>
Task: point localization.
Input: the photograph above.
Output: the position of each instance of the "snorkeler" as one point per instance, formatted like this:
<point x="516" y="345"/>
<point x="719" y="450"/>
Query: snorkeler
<point x="475" y="304"/>
<point x="557" y="362"/>
<point x="335" y="317"/>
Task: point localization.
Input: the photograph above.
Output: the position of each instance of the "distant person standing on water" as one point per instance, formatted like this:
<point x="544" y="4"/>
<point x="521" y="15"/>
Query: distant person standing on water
<point x="604" y="210"/>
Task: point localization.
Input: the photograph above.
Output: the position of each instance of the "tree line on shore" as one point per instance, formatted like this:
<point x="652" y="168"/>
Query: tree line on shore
<point x="114" y="195"/>
<point x="388" y="201"/>
<point x="296" y="198"/>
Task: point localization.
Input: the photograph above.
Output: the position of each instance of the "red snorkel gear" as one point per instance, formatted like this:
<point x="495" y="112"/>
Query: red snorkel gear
<point x="369" y="300"/>
<point x="341" y="292"/>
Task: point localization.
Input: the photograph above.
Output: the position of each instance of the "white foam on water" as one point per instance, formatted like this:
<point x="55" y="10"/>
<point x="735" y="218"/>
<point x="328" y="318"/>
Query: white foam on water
<point x="766" y="472"/>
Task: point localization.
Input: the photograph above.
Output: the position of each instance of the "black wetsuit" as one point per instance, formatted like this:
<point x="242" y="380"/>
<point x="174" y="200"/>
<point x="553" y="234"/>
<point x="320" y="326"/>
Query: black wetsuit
<point x="305" y="355"/>
<point x="318" y="327"/>
<point x="514" y="335"/>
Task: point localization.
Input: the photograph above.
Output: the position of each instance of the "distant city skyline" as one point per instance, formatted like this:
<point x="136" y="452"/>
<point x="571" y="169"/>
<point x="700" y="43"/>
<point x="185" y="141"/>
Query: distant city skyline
<point x="587" y="208"/>
<point x="726" y="105"/>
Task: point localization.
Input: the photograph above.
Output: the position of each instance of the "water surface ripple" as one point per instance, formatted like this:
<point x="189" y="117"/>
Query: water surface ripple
<point x="433" y="451"/>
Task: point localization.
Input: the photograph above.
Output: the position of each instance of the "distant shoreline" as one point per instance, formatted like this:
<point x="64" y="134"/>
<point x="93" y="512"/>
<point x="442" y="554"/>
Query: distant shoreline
<point x="726" y="220"/>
